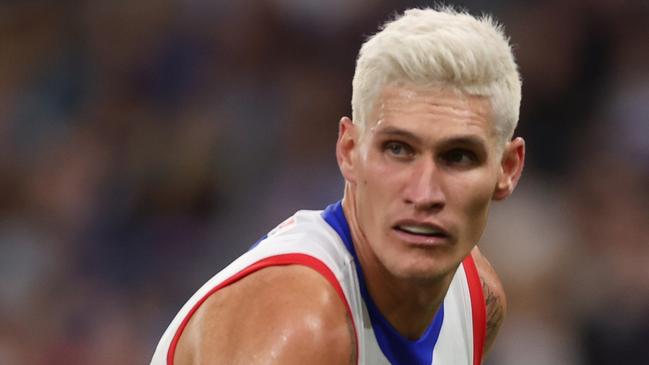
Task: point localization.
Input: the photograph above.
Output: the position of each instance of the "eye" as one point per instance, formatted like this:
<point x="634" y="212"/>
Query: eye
<point x="397" y="149"/>
<point x="460" y="157"/>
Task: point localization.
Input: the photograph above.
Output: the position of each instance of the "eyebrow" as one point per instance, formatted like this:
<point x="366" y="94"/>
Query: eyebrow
<point x="465" y="140"/>
<point x="396" y="132"/>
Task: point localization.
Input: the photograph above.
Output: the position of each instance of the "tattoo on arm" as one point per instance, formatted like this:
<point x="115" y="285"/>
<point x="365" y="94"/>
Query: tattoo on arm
<point x="494" y="309"/>
<point x="495" y="313"/>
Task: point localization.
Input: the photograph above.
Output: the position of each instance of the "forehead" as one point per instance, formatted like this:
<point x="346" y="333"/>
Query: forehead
<point x="432" y="109"/>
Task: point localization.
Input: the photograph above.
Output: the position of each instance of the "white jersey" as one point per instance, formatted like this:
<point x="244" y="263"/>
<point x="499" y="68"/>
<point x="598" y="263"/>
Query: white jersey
<point x="321" y="240"/>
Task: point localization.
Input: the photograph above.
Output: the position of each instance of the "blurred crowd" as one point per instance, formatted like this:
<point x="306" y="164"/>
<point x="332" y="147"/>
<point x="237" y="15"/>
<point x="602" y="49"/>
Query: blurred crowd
<point x="145" y="144"/>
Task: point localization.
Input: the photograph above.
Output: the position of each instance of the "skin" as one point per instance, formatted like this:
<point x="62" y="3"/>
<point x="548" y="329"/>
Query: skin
<point x="278" y="315"/>
<point x="430" y="158"/>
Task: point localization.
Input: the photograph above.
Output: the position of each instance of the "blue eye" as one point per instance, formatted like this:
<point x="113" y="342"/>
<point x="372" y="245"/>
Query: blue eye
<point x="397" y="149"/>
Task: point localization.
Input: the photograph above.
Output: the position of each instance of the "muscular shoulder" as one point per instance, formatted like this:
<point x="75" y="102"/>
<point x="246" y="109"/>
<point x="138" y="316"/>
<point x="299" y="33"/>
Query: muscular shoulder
<point x="494" y="294"/>
<point x="278" y="315"/>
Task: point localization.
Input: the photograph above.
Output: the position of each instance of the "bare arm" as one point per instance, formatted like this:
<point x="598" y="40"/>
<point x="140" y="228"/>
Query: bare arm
<point x="278" y="315"/>
<point x="495" y="298"/>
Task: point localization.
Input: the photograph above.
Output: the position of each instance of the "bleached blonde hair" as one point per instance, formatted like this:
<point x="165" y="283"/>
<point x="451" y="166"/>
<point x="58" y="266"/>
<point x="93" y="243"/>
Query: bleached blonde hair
<point x="440" y="47"/>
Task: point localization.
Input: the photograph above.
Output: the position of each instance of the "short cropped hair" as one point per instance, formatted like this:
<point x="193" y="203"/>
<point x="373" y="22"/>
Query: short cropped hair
<point x="440" y="47"/>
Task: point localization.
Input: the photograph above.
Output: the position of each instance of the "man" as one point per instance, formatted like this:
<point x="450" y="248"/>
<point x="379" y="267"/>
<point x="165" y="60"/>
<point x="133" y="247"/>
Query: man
<point x="391" y="274"/>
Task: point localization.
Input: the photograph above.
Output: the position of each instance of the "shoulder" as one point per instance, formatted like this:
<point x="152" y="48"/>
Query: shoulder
<point x="494" y="294"/>
<point x="278" y="315"/>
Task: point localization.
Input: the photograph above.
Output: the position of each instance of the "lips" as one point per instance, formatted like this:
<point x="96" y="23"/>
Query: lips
<point x="421" y="232"/>
<point x="424" y="230"/>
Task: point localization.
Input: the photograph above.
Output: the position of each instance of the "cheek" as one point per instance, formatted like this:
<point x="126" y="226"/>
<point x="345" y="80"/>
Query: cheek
<point x="380" y="175"/>
<point x="476" y="197"/>
<point x="378" y="190"/>
<point x="478" y="214"/>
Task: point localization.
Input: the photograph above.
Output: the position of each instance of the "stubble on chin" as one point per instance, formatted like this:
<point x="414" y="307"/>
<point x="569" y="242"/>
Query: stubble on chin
<point x="421" y="270"/>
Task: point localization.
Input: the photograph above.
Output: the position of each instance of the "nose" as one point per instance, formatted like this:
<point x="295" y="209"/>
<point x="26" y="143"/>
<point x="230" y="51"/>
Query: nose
<point x="424" y="188"/>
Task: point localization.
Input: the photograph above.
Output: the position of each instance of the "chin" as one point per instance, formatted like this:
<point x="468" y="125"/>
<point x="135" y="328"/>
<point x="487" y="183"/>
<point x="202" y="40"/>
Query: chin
<point x="424" y="270"/>
<point x="423" y="276"/>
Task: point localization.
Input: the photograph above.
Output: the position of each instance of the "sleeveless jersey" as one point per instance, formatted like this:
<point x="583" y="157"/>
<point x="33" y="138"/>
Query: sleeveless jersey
<point x="321" y="240"/>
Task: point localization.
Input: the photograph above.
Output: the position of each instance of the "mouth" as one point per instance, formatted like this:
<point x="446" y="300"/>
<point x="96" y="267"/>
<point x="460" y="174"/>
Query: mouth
<point x="421" y="232"/>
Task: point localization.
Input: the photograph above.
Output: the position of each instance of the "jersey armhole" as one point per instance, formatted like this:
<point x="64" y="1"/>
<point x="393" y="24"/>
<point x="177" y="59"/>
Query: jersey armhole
<point x="278" y="260"/>
<point x="478" y="308"/>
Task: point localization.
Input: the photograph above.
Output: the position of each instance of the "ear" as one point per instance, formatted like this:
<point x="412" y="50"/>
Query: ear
<point x="511" y="167"/>
<point x="345" y="148"/>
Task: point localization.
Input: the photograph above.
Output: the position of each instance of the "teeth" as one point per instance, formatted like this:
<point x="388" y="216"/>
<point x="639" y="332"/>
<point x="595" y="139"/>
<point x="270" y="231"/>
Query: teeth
<point x="420" y="230"/>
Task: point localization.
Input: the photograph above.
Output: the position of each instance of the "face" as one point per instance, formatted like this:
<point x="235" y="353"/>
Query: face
<point x="421" y="179"/>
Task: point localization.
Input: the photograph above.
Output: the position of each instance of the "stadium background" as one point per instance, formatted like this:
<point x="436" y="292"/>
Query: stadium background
<point x="144" y="144"/>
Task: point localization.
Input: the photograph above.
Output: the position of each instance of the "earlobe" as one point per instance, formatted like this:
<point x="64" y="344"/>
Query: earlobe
<point x="512" y="164"/>
<point x="345" y="148"/>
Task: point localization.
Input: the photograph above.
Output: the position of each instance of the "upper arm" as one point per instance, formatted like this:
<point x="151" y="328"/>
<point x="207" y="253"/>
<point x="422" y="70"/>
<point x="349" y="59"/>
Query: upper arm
<point x="278" y="315"/>
<point x="494" y="295"/>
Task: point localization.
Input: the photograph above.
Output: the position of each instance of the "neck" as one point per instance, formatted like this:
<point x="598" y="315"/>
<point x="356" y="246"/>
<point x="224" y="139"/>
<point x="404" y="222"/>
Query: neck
<point x="408" y="304"/>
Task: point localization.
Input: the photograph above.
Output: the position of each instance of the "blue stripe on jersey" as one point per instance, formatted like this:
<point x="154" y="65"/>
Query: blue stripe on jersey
<point x="258" y="242"/>
<point x="396" y="348"/>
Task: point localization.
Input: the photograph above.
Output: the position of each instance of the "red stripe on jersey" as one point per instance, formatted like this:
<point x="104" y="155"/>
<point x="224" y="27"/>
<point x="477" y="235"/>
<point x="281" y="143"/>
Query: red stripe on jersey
<point x="278" y="260"/>
<point x="478" y="309"/>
